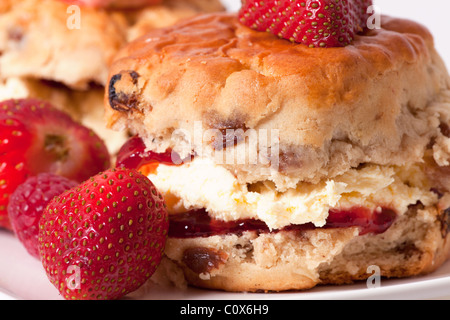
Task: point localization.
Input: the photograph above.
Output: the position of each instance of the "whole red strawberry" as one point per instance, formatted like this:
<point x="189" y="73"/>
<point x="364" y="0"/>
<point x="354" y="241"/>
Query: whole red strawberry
<point x="28" y="202"/>
<point x="36" y="137"/>
<point x="104" y="238"/>
<point x="315" y="23"/>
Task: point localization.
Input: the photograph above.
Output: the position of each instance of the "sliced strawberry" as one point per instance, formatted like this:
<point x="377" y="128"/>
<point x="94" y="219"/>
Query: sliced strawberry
<point x="12" y="174"/>
<point x="315" y="23"/>
<point x="113" y="228"/>
<point x="36" y="137"/>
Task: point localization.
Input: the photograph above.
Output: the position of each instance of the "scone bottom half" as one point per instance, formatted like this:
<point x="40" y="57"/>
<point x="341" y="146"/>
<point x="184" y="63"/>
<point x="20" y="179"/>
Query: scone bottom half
<point x="361" y="147"/>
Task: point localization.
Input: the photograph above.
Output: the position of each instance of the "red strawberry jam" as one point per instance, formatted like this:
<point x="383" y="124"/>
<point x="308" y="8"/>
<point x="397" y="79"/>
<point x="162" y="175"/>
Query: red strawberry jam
<point x="197" y="223"/>
<point x="133" y="155"/>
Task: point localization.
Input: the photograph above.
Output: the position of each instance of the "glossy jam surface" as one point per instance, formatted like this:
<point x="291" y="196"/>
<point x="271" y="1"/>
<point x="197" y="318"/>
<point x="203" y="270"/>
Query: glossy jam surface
<point x="197" y="223"/>
<point x="133" y="155"/>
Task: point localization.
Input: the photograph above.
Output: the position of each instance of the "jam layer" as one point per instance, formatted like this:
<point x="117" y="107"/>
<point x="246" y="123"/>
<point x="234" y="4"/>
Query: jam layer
<point x="198" y="223"/>
<point x="133" y="155"/>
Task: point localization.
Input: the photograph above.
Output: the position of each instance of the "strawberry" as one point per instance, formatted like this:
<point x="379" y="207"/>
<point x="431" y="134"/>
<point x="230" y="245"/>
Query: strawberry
<point x="315" y="23"/>
<point x="28" y="202"/>
<point x="36" y="137"/>
<point x="110" y="231"/>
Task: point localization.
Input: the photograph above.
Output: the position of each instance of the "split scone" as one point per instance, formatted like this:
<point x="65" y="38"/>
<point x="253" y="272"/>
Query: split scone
<point x="285" y="167"/>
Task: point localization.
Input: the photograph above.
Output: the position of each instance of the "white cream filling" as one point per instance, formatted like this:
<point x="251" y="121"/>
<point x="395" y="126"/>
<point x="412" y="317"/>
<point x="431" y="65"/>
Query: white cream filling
<point x="202" y="184"/>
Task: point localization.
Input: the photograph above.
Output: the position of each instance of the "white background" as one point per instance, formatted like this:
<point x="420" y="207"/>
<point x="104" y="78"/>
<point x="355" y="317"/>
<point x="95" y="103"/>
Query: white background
<point x="435" y="14"/>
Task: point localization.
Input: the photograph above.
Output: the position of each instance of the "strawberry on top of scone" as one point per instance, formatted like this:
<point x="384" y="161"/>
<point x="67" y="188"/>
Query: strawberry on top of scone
<point x="324" y="23"/>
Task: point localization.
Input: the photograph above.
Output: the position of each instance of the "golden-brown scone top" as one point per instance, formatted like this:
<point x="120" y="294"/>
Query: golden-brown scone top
<point x="39" y="38"/>
<point x="379" y="100"/>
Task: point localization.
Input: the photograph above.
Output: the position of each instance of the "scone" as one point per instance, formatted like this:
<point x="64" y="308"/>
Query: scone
<point x="283" y="166"/>
<point x="41" y="39"/>
<point x="43" y="55"/>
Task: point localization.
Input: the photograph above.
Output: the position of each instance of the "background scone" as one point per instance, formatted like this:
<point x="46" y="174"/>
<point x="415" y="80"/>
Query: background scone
<point x="36" y="42"/>
<point x="44" y="55"/>
<point x="48" y="44"/>
<point x="362" y="173"/>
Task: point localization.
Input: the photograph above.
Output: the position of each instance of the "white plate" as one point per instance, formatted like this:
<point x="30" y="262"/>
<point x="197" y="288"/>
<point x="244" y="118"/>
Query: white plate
<point x="23" y="277"/>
